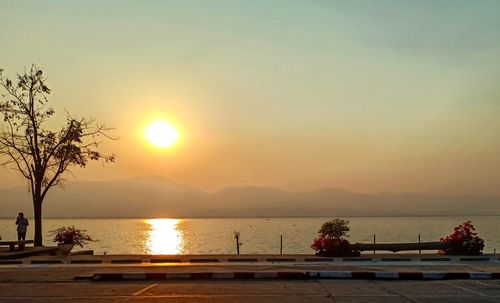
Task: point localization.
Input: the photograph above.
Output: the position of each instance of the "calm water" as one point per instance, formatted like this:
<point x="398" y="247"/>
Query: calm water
<point x="258" y="235"/>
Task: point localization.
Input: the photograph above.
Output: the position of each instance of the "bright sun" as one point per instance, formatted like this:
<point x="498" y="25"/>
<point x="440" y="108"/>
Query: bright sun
<point x="161" y="133"/>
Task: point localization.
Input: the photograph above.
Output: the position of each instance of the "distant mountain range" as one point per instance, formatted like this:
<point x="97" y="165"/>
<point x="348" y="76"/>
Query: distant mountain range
<point x="159" y="197"/>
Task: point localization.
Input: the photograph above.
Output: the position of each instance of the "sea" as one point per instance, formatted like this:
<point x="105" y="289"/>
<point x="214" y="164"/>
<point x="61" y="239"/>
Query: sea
<point x="257" y="235"/>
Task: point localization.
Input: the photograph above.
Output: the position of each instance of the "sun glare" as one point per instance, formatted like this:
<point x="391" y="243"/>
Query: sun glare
<point x="163" y="237"/>
<point x="161" y="134"/>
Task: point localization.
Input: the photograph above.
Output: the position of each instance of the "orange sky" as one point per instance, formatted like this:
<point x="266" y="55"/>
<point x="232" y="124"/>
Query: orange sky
<point x="294" y="95"/>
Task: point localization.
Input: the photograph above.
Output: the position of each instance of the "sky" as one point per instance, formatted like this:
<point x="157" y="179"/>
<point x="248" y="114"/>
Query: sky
<point x="371" y="96"/>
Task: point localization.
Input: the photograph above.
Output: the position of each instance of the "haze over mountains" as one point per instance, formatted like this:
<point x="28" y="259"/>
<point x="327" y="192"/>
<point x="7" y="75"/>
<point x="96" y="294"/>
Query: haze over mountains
<point x="158" y="197"/>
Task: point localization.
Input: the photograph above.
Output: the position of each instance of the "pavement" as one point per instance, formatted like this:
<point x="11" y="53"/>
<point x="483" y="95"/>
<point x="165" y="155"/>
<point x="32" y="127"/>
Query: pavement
<point x="241" y="291"/>
<point x="46" y="282"/>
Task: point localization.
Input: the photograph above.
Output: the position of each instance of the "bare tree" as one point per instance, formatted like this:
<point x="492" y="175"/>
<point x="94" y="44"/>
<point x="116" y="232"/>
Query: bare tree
<point x="39" y="154"/>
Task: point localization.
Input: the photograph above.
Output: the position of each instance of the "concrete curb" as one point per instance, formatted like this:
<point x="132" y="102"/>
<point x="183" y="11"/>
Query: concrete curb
<point x="294" y="275"/>
<point x="271" y="260"/>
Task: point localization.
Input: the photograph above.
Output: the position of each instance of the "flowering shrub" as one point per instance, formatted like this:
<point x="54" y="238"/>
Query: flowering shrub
<point x="331" y="240"/>
<point x="324" y="244"/>
<point x="464" y="240"/>
<point x="70" y="235"/>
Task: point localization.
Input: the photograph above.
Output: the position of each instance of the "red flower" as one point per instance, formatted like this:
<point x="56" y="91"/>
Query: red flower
<point x="331" y="239"/>
<point x="464" y="240"/>
<point x="326" y="243"/>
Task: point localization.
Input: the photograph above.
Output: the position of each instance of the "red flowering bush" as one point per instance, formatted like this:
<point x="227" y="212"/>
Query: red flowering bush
<point x="70" y="235"/>
<point x="464" y="240"/>
<point x="325" y="245"/>
<point x="331" y="240"/>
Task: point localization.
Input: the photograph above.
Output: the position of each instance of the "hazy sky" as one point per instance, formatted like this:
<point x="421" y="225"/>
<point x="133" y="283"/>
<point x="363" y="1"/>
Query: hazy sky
<point x="398" y="96"/>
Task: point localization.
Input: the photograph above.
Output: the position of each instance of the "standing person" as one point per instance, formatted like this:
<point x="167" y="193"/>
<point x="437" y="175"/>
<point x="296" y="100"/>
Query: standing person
<point x="22" y="226"/>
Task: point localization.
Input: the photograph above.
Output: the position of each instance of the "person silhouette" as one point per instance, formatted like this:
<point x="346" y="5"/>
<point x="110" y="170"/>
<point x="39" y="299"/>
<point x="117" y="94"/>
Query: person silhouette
<point x="22" y="226"/>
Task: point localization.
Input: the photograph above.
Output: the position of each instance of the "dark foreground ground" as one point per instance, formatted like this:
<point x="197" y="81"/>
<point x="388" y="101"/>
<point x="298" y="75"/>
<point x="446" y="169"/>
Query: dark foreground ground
<point x="255" y="291"/>
<point x="30" y="282"/>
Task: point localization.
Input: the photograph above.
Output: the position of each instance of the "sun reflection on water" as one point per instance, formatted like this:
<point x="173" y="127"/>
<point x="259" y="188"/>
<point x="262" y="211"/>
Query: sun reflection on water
<point x="163" y="236"/>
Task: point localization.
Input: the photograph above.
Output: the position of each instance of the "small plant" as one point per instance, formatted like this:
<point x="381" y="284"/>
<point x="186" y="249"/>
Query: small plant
<point x="337" y="228"/>
<point x="464" y="241"/>
<point x="332" y="239"/>
<point x="70" y="235"/>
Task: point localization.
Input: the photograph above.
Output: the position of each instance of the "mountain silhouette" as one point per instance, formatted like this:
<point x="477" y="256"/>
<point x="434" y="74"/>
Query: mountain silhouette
<point x="158" y="197"/>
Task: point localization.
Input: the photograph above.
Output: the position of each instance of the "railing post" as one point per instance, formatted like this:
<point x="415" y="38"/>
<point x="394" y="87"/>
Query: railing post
<point x="237" y="237"/>
<point x="374" y="243"/>
<point x="419" y="245"/>
<point x="281" y="244"/>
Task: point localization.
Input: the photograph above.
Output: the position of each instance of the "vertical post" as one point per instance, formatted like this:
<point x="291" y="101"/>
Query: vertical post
<point x="237" y="237"/>
<point x="238" y="244"/>
<point x="419" y="245"/>
<point x="281" y="244"/>
<point x="494" y="251"/>
<point x="374" y="242"/>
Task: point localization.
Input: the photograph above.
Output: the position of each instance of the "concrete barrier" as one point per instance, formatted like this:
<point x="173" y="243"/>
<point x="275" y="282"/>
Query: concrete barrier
<point x="296" y="275"/>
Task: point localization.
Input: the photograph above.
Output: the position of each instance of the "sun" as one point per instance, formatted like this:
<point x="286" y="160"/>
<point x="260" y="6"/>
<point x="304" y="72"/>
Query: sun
<point x="161" y="133"/>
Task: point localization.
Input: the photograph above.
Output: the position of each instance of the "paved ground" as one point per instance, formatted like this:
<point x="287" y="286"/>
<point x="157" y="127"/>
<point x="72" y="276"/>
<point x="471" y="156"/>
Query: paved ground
<point x="66" y="272"/>
<point x="55" y="283"/>
<point x="255" y="291"/>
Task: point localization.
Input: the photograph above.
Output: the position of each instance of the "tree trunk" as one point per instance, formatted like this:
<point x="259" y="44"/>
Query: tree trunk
<point x="37" y="207"/>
